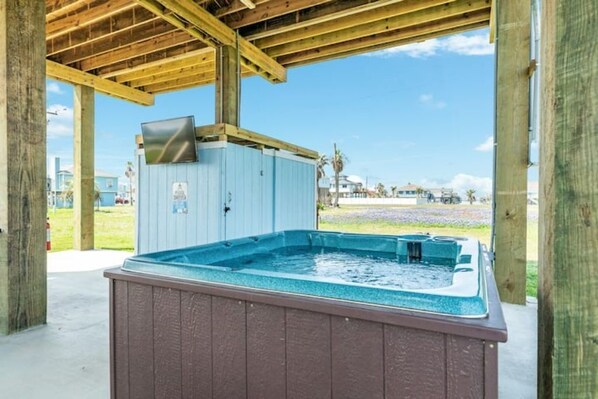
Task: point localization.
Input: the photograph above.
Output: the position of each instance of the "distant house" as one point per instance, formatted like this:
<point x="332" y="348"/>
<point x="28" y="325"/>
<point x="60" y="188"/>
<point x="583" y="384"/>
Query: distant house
<point x="346" y="187"/>
<point x="106" y="183"/>
<point x="412" y="191"/>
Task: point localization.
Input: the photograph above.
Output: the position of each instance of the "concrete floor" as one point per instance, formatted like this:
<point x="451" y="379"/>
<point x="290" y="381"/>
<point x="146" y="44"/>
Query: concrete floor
<point x="68" y="358"/>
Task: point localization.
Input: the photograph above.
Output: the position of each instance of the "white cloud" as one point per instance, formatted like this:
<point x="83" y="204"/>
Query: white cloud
<point x="60" y="121"/>
<point x="428" y="99"/>
<point x="469" y="45"/>
<point x="460" y="44"/>
<point x="486" y="146"/>
<point x="423" y="49"/>
<point x="53" y="87"/>
<point x="462" y="182"/>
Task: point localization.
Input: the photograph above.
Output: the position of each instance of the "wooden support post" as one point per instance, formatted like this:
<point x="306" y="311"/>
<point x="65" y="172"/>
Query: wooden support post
<point x="568" y="264"/>
<point x="228" y="85"/>
<point x="512" y="122"/>
<point x="22" y="165"/>
<point x="84" y="182"/>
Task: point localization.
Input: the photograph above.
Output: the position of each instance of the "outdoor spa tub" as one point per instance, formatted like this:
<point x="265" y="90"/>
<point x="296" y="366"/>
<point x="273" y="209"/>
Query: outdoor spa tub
<point x="307" y="314"/>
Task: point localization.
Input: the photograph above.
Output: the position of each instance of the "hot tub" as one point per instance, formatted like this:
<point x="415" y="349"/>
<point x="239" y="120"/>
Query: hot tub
<point x="307" y="314"/>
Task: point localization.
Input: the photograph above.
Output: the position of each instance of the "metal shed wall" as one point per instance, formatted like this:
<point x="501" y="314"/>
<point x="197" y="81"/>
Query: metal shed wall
<point x="266" y="191"/>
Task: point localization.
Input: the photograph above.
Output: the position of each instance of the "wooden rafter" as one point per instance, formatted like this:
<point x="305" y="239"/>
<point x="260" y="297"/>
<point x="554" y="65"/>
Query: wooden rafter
<point x="384" y="26"/>
<point x="390" y="44"/>
<point x="269" y="10"/>
<point x="193" y="70"/>
<point x="93" y="14"/>
<point x="59" y="8"/>
<point x="207" y="28"/>
<point x="163" y="45"/>
<point x="431" y="29"/>
<point x="119" y="43"/>
<point x="74" y="76"/>
<point x="156" y="58"/>
<point x="235" y="6"/>
<point x="493" y="21"/>
<point x="205" y="55"/>
<point x="129" y="23"/>
<point x="162" y="42"/>
<point x="372" y="12"/>
<point x="311" y="16"/>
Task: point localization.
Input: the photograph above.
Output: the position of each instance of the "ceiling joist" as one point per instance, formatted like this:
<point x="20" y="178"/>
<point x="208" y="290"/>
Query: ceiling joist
<point x="94" y="14"/>
<point x="210" y="30"/>
<point x="67" y="74"/>
<point x="372" y="13"/>
<point x="156" y="46"/>
<point x="382" y="26"/>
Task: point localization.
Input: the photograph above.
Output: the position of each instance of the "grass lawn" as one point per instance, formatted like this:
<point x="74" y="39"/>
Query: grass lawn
<point x="114" y="228"/>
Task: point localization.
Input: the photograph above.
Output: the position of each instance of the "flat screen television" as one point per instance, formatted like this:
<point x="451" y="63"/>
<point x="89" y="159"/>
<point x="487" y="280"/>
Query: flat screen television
<point x="169" y="141"/>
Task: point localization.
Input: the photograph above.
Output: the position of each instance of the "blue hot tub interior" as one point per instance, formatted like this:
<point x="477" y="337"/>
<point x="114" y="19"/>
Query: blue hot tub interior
<point x="418" y="272"/>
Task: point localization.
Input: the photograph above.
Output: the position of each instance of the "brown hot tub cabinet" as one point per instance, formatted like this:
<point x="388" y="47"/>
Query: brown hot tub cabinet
<point x="171" y="338"/>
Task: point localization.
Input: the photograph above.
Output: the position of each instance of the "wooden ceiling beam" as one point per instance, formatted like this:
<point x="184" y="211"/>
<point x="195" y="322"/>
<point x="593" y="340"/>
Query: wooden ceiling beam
<point x="123" y="42"/>
<point x="371" y="12"/>
<point x="169" y="67"/>
<point x="235" y="6"/>
<point x="183" y="82"/>
<point x="210" y="30"/>
<point x="67" y="74"/>
<point x="391" y="44"/>
<point x="84" y="18"/>
<point x="268" y="10"/>
<point x="381" y="26"/>
<point x="493" y="21"/>
<point x="165" y="57"/>
<point x="302" y="18"/>
<point x="359" y="45"/>
<point x="57" y="8"/>
<point x="143" y="47"/>
<point x="184" y="72"/>
<point x="115" y="28"/>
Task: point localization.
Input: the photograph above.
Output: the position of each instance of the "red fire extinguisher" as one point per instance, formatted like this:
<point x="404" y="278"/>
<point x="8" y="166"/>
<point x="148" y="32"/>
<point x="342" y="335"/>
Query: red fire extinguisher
<point x="48" y="239"/>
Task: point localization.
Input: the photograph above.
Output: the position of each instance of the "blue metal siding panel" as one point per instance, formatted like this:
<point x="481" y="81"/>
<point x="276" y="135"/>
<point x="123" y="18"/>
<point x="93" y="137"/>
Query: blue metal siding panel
<point x="267" y="193"/>
<point x="294" y="195"/>
<point x="244" y="182"/>
<point x="158" y="227"/>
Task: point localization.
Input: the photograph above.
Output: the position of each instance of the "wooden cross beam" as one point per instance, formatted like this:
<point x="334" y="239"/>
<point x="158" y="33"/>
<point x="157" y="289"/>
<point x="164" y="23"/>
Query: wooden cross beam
<point x="198" y="22"/>
<point x="67" y="74"/>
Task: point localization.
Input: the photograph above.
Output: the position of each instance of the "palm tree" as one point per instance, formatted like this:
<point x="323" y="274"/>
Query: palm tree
<point x="393" y="190"/>
<point x="419" y="192"/>
<point x="322" y="162"/>
<point x="381" y="190"/>
<point x="337" y="161"/>
<point x="470" y="195"/>
<point x="130" y="173"/>
<point x="68" y="193"/>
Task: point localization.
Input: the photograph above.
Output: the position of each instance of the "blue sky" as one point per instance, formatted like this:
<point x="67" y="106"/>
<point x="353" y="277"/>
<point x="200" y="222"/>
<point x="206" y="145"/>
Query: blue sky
<point x="421" y="113"/>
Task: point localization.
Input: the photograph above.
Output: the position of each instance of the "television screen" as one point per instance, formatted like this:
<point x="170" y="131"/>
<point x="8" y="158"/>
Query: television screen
<point x="169" y="141"/>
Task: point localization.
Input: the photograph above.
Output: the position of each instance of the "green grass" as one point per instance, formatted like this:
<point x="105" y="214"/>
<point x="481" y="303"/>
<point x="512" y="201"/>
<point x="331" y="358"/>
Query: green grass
<point x="114" y="228"/>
